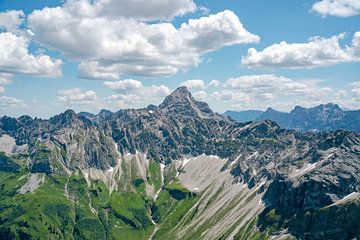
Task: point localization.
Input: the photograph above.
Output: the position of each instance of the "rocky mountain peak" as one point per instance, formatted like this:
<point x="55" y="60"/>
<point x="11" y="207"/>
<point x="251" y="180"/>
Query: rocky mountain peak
<point x="297" y="109"/>
<point x="331" y="106"/>
<point x="181" y="95"/>
<point x="66" y="118"/>
<point x="270" y="110"/>
<point x="180" y="101"/>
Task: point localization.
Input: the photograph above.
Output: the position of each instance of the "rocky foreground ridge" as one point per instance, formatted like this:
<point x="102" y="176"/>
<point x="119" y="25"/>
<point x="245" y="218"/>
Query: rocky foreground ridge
<point x="175" y="170"/>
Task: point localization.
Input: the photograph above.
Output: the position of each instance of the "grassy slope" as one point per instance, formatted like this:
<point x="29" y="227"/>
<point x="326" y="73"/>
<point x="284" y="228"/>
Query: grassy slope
<point x="48" y="214"/>
<point x="90" y="212"/>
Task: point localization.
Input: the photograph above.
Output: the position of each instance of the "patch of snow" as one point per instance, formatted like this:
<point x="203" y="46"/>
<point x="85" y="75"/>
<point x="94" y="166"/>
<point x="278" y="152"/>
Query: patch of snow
<point x="245" y="127"/>
<point x="162" y="167"/>
<point x="307" y="168"/>
<point x="252" y="155"/>
<point x="157" y="194"/>
<point x="236" y="159"/>
<point x="185" y="161"/>
<point x="349" y="197"/>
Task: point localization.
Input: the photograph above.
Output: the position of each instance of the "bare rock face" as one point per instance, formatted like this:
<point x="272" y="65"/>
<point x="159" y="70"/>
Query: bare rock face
<point x="303" y="172"/>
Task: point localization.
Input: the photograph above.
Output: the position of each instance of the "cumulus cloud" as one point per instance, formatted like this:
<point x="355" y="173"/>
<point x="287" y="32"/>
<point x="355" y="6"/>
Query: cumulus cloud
<point x="214" y="83"/>
<point x="349" y="96"/>
<point x="132" y="93"/>
<point x="16" y="58"/>
<point x="200" y="95"/>
<point x="354" y="50"/>
<point x="11" y="20"/>
<point x="216" y="31"/>
<point x="147" y="10"/>
<point x="5" y="79"/>
<point x="77" y="96"/>
<point x="122" y="45"/>
<point x="269" y="84"/>
<point x="338" y="8"/>
<point x="316" y="52"/>
<point x="194" y="83"/>
<point x="355" y="89"/>
<point x="262" y="91"/>
<point x="11" y="102"/>
<point x="124" y="85"/>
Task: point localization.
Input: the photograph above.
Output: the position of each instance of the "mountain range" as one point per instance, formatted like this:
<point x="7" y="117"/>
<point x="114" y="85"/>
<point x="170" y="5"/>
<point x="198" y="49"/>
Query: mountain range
<point x="325" y="117"/>
<point x="175" y="171"/>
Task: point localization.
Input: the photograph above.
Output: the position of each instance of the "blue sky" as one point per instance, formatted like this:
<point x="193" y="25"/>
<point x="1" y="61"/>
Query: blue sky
<point x="131" y="56"/>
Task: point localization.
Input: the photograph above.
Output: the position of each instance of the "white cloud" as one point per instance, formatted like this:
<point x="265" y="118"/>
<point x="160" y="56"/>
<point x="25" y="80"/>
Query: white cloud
<point x="5" y="79"/>
<point x="338" y="8"/>
<point x="122" y="45"/>
<point x="354" y="50"/>
<point x="355" y="89"/>
<point x="316" y="52"/>
<point x="194" y="83"/>
<point x="132" y="94"/>
<point x="263" y="91"/>
<point x="11" y="102"/>
<point x="77" y="96"/>
<point x="214" y="83"/>
<point x="124" y="85"/>
<point x="266" y="84"/>
<point x="349" y="96"/>
<point x="200" y="95"/>
<point x="11" y="20"/>
<point x="216" y="31"/>
<point x="230" y="97"/>
<point x="15" y="58"/>
<point x="147" y="10"/>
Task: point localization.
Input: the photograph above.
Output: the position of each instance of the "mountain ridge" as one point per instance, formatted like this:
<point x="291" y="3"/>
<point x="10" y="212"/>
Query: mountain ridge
<point x="177" y="170"/>
<point x="324" y="117"/>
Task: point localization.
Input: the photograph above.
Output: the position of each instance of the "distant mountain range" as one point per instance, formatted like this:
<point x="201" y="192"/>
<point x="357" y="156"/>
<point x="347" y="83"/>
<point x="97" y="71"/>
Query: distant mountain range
<point x="325" y="117"/>
<point x="244" y="116"/>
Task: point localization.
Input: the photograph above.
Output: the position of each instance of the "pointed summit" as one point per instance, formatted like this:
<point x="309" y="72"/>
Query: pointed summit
<point x="68" y="117"/>
<point x="180" y="101"/>
<point x="180" y="96"/>
<point x="182" y="90"/>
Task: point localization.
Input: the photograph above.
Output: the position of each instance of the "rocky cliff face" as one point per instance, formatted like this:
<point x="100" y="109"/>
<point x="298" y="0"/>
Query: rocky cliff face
<point x="150" y="157"/>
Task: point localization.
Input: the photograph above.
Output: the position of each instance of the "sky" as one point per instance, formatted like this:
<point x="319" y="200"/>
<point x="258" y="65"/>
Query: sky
<point x="235" y="55"/>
